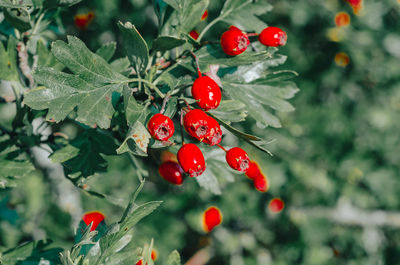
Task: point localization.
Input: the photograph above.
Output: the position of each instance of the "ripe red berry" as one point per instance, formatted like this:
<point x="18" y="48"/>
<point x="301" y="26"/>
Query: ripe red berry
<point x="276" y="205"/>
<point x="196" y="123"/>
<point x="205" y="15"/>
<point x="253" y="171"/>
<point x="212" y="217"/>
<point x="234" y="41"/>
<point x="95" y="217"/>
<point x="161" y="127"/>
<point x="214" y="135"/>
<point x="191" y="160"/>
<point x="171" y="172"/>
<point x="260" y="182"/>
<point x="272" y="36"/>
<point x="238" y="159"/>
<point x="206" y="92"/>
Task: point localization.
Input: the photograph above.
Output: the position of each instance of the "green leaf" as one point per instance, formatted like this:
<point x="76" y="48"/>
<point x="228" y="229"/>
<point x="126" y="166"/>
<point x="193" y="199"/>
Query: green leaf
<point x="137" y="140"/>
<point x="89" y="88"/>
<point x="243" y="14"/>
<point x="91" y="144"/>
<point x="165" y="43"/>
<point x="209" y="181"/>
<point x="11" y="168"/>
<point x="8" y="61"/>
<point x="135" y="46"/>
<point x="66" y="153"/>
<point x="213" y="54"/>
<point x="136" y="112"/>
<point x="230" y="111"/>
<point x="107" y="50"/>
<point x="186" y="16"/>
<point x="37" y="3"/>
<point x="31" y="253"/>
<point x="46" y="58"/>
<point x="235" y="131"/>
<point x="121" y="65"/>
<point x="171" y="107"/>
<point x="173" y="258"/>
<point x="19" y="18"/>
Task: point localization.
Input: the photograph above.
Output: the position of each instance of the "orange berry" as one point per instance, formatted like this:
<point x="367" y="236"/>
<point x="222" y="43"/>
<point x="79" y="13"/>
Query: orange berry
<point x="342" y="59"/>
<point x="342" y="19"/>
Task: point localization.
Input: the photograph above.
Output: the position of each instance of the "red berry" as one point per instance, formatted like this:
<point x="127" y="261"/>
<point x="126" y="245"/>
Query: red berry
<point x="206" y="92"/>
<point x="205" y="15"/>
<point x="191" y="160"/>
<point x="253" y="171"/>
<point x="260" y="182"/>
<point x="95" y="217"/>
<point x="238" y="159"/>
<point x="196" y="123"/>
<point x="212" y="217"/>
<point x="194" y="34"/>
<point x="171" y="172"/>
<point x="140" y="262"/>
<point x="161" y="127"/>
<point x="272" y="36"/>
<point x="153" y="254"/>
<point x="276" y="205"/>
<point x="214" y="135"/>
<point x="234" y="41"/>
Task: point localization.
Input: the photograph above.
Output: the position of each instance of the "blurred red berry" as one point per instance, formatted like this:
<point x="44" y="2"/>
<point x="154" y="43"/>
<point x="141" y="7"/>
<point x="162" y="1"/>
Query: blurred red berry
<point x="191" y="160"/>
<point x="276" y="205"/>
<point x="205" y="15"/>
<point x="194" y="34"/>
<point x="272" y="36"/>
<point x="212" y="217"/>
<point x="95" y="217"/>
<point x="161" y="127"/>
<point x="234" y="41"/>
<point x="253" y="171"/>
<point x="171" y="172"/>
<point x="206" y="92"/>
<point x="238" y="159"/>
<point x="260" y="182"/>
<point x="82" y="21"/>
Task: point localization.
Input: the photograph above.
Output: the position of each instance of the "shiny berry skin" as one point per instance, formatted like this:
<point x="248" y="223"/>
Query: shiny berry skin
<point x="206" y="92"/>
<point x="212" y="217"/>
<point x="273" y="37"/>
<point x="276" y="205"/>
<point x="95" y="217"/>
<point x="238" y="159"/>
<point x="253" y="171"/>
<point x="214" y="135"/>
<point x="234" y="41"/>
<point x="191" y="160"/>
<point x="161" y="127"/>
<point x="260" y="182"/>
<point x="196" y="123"/>
<point x="171" y="172"/>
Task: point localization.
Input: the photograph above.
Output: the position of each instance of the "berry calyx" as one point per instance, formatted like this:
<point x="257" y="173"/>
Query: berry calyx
<point x="238" y="159"/>
<point x="95" y="217"/>
<point x="191" y="160"/>
<point x="253" y="171"/>
<point x="161" y="127"/>
<point x="276" y="205"/>
<point x="214" y="135"/>
<point x="196" y="123"/>
<point x="260" y="182"/>
<point x="206" y="92"/>
<point x="273" y="37"/>
<point x="234" y="41"/>
<point x="171" y="172"/>
<point x="212" y="217"/>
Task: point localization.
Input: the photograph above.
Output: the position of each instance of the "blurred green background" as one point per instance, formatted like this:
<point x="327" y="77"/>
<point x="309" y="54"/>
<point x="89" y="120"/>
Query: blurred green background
<point x="336" y="162"/>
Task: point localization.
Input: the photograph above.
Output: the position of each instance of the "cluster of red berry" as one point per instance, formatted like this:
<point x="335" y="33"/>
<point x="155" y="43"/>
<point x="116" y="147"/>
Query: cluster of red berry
<point x="203" y="127"/>
<point x="234" y="41"/>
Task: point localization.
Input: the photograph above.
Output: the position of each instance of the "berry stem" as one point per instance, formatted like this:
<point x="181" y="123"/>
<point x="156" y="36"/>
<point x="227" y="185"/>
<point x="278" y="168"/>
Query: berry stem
<point x="181" y="126"/>
<point x="220" y="146"/>
<point x="167" y="97"/>
<point x="197" y="63"/>
<point x="252" y="34"/>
